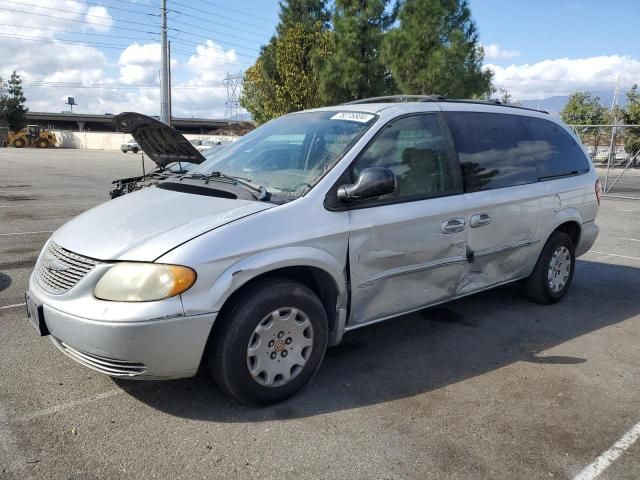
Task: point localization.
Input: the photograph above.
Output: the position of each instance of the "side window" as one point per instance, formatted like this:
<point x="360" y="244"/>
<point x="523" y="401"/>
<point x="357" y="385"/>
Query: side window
<point x="415" y="150"/>
<point x="493" y="149"/>
<point x="558" y="154"/>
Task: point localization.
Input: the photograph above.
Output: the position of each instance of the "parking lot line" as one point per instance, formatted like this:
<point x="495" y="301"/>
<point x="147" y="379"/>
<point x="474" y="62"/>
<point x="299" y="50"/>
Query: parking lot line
<point x="13" y="306"/>
<point x="25" y="233"/>
<point x="632" y="239"/>
<point x="601" y="463"/>
<point x="64" y="406"/>
<point x="614" y="255"/>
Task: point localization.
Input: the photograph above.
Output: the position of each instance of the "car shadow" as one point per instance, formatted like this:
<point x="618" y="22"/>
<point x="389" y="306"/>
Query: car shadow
<point x="424" y="351"/>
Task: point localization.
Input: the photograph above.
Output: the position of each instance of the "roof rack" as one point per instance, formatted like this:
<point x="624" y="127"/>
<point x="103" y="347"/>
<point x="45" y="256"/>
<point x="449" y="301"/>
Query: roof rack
<point x="398" y="99"/>
<point x="436" y="98"/>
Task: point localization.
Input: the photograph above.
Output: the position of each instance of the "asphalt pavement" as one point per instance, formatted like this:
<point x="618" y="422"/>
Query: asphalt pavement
<point x="490" y="386"/>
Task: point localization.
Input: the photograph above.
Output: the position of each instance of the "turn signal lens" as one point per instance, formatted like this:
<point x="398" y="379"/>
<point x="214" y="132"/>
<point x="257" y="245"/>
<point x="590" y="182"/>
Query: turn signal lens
<point x="143" y="282"/>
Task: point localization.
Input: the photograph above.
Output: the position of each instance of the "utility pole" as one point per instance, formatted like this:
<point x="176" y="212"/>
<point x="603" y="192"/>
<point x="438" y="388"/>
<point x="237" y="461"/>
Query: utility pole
<point x="170" y="100"/>
<point x="164" y="69"/>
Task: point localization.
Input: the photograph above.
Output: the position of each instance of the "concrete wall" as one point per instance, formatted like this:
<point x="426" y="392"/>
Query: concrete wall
<point x="112" y="140"/>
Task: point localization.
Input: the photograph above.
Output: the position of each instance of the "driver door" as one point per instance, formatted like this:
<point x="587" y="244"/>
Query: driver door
<point x="408" y="249"/>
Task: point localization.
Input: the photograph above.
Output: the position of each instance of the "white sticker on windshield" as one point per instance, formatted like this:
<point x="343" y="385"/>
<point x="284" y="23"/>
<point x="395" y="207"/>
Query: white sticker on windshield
<point x="353" y="116"/>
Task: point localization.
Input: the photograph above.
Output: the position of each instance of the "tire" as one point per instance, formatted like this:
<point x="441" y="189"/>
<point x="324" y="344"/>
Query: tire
<point x="19" y="143"/>
<point x="254" y="330"/>
<point x="42" y="143"/>
<point x="135" y="149"/>
<point x="551" y="277"/>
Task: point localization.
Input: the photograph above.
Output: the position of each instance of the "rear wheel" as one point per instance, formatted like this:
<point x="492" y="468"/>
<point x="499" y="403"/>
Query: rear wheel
<point x="19" y="143"/>
<point x="135" y="149"/>
<point x="551" y="278"/>
<point x="269" y="343"/>
<point x="42" y="143"/>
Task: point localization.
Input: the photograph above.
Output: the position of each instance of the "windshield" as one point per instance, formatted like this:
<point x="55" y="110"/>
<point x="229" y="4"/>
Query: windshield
<point x="288" y="155"/>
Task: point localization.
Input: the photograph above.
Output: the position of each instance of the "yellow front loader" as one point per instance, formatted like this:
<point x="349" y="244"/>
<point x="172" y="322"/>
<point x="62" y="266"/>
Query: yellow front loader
<point x="32" y="136"/>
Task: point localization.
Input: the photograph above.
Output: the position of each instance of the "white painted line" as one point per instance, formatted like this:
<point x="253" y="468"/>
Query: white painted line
<point x="49" y="204"/>
<point x="13" y="306"/>
<point x="601" y="463"/>
<point x="614" y="255"/>
<point x="25" y="233"/>
<point x="64" y="406"/>
<point x="632" y="239"/>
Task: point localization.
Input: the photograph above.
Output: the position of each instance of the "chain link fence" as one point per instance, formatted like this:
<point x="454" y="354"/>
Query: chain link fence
<point x="615" y="152"/>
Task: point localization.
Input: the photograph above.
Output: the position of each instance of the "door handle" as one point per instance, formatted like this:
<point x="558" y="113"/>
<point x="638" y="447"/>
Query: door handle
<point x="453" y="225"/>
<point x="480" y="219"/>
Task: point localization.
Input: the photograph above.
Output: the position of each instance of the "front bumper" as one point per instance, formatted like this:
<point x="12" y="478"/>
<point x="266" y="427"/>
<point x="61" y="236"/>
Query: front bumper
<point x="159" y="348"/>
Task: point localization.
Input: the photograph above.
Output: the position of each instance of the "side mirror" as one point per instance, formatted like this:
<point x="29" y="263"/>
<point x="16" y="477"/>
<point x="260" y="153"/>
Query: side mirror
<point x="372" y="182"/>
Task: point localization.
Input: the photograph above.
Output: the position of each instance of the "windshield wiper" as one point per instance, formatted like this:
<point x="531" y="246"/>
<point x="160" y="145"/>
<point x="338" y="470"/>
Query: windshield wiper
<point x="260" y="192"/>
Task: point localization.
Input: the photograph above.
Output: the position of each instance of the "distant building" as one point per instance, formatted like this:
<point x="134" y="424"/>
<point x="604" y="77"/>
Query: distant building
<point x="80" y="122"/>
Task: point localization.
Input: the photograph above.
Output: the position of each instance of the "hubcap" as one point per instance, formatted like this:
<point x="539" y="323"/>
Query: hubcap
<point x="280" y="347"/>
<point x="559" y="269"/>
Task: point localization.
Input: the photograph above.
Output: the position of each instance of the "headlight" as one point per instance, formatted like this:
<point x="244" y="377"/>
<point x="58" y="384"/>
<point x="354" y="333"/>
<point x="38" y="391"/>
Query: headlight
<point x="143" y="282"/>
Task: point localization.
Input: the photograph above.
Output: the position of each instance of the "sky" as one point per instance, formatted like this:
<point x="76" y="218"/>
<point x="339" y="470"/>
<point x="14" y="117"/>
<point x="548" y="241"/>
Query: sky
<point x="106" y="53"/>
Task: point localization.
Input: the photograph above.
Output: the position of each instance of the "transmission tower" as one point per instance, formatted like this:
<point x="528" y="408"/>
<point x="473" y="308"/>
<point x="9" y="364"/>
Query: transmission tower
<point x="233" y="84"/>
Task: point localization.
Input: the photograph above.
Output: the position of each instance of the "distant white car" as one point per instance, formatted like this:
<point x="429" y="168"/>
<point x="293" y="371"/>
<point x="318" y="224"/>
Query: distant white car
<point x="207" y="144"/>
<point x="130" y="146"/>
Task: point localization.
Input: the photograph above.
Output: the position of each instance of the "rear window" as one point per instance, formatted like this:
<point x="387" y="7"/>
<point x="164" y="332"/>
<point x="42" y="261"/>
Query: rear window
<point x="500" y="150"/>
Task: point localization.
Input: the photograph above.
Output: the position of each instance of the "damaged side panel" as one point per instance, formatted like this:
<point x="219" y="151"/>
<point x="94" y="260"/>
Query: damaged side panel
<point x="400" y="258"/>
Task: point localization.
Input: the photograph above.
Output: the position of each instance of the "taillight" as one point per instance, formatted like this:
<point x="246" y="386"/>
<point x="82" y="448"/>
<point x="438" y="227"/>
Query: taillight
<point x="598" y="191"/>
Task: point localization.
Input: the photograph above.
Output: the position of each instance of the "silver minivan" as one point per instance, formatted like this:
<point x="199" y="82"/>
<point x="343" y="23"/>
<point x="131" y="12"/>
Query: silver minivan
<point x="312" y="225"/>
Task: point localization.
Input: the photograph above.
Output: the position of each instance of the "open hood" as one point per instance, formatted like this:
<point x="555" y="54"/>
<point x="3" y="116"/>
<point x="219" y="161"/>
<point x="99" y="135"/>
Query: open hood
<point x="162" y="143"/>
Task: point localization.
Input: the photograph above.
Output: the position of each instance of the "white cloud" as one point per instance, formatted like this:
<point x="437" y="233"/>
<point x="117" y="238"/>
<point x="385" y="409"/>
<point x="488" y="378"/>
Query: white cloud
<point x="99" y="18"/>
<point x="139" y="64"/>
<point x="564" y="75"/>
<point x="211" y="62"/>
<point x="495" y="52"/>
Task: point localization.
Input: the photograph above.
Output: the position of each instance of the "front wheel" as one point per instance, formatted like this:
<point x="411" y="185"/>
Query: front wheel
<point x="270" y="342"/>
<point x="551" y="278"/>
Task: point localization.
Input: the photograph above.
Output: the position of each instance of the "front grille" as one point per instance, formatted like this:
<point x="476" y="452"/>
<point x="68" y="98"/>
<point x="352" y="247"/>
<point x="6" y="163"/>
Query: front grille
<point x="59" y="269"/>
<point x="110" y="366"/>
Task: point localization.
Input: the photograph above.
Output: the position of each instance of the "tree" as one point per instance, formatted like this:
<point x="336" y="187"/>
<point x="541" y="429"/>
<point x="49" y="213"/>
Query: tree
<point x="355" y="70"/>
<point x="3" y="102"/>
<point x="308" y="13"/>
<point x="14" y="111"/>
<point x="435" y="49"/>
<point x="583" y="109"/>
<point x="296" y="54"/>
<point x="506" y="98"/>
<point x="631" y="116"/>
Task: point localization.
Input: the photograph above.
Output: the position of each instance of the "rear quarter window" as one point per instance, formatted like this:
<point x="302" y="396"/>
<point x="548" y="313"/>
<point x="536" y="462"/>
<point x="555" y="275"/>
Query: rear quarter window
<point x="501" y="150"/>
<point x="558" y="153"/>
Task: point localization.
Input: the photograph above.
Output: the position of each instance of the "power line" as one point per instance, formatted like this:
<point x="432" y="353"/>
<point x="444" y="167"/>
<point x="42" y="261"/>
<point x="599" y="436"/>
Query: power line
<point x="117" y="27"/>
<point x="79" y="13"/>
<point x="173" y="20"/>
<point x="119" y="86"/>
<point x="101" y="45"/>
<point x="110" y="35"/>
<point x="217" y="15"/>
<point x="234" y="10"/>
<point x="189" y="42"/>
<point x="208" y="37"/>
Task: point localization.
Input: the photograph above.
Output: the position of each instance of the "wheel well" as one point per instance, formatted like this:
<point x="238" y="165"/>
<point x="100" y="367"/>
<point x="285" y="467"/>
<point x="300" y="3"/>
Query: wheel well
<point x="572" y="229"/>
<point x="316" y="279"/>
